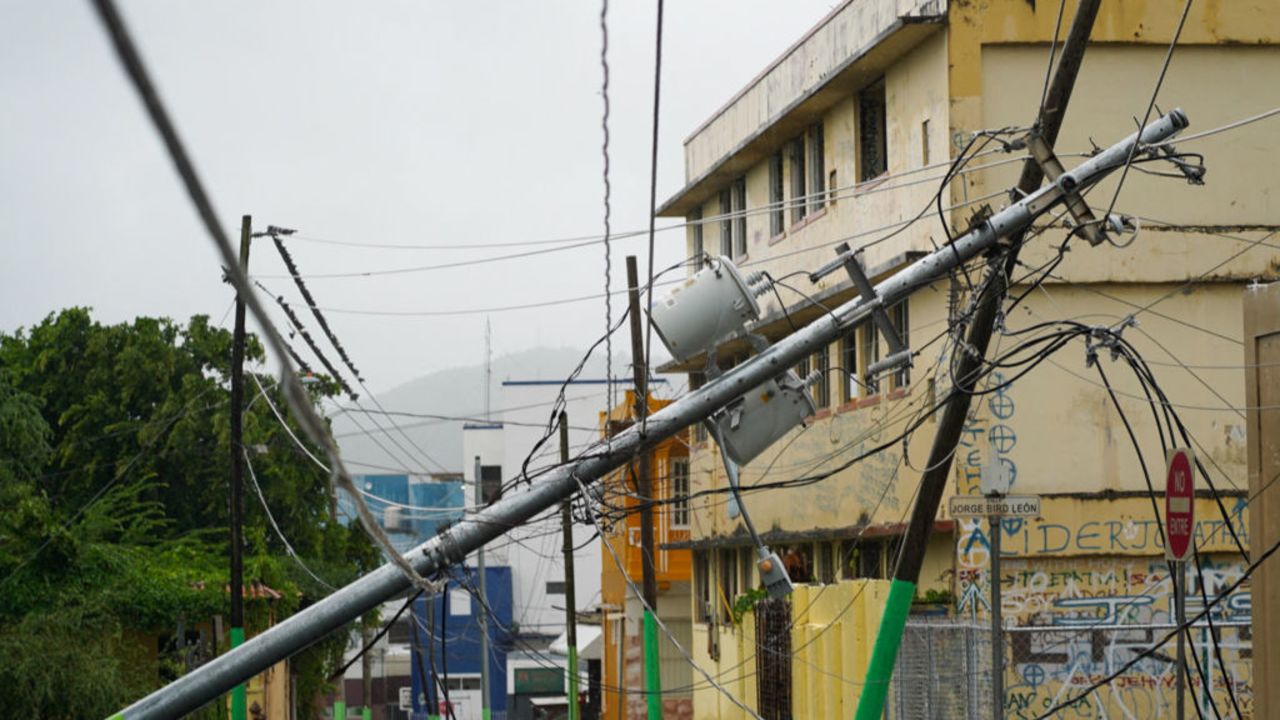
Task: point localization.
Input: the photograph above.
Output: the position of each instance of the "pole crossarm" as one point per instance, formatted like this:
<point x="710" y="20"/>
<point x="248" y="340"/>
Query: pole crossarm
<point x="204" y="684"/>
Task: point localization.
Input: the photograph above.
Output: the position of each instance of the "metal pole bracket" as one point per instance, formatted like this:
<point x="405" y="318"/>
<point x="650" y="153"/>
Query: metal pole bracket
<point x="1087" y="225"/>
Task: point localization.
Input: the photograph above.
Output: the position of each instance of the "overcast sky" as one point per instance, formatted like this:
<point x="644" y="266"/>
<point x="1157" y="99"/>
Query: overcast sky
<point x="409" y="123"/>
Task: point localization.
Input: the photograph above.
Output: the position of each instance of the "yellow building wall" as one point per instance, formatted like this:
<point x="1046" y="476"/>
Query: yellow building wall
<point x="831" y="639"/>
<point x="915" y="88"/>
<point x="1056" y="428"/>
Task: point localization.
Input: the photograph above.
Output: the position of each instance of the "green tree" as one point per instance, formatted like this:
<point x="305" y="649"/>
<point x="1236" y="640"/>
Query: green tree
<point x="114" y="462"/>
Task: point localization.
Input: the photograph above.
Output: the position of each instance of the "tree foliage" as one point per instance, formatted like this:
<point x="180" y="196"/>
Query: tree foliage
<point x="114" y="469"/>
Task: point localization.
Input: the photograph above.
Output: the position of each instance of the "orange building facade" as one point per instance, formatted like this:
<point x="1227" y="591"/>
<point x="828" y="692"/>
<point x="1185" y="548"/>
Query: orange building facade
<point x="623" y="662"/>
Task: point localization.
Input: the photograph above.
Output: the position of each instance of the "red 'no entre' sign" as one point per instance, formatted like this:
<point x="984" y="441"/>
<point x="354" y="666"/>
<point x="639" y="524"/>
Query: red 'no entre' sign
<point x="1179" y="505"/>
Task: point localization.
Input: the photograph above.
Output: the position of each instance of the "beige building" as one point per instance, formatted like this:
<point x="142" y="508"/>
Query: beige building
<point x="846" y="138"/>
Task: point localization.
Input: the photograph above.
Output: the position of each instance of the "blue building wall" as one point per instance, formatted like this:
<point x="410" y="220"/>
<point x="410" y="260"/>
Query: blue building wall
<point x="445" y="499"/>
<point x="435" y="494"/>
<point x="461" y="635"/>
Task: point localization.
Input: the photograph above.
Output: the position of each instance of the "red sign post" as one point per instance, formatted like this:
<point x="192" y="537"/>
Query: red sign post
<point x="1179" y="543"/>
<point x="1179" y="505"/>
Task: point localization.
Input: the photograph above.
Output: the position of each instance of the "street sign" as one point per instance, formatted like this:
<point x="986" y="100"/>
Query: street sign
<point x="1179" y="504"/>
<point x="982" y="506"/>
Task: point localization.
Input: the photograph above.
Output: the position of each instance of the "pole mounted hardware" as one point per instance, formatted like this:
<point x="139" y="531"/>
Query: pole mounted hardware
<point x="1087" y="225"/>
<point x="899" y="353"/>
<point x="452" y="545"/>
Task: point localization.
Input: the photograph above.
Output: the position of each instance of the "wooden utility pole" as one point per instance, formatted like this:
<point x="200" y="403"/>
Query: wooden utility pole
<point x="653" y="685"/>
<point x="570" y="595"/>
<point x="1262" y="396"/>
<point x="934" y="482"/>
<point x="238" y="709"/>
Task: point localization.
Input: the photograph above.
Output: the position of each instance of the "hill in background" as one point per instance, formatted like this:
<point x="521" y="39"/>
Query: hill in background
<point x="451" y="397"/>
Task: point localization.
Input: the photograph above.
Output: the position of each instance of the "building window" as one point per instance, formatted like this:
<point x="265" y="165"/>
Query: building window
<point x="849" y="366"/>
<point x="490" y="483"/>
<point x="701" y="588"/>
<point x="869" y="560"/>
<point x="817" y="169"/>
<point x="870" y="355"/>
<point x="695" y="225"/>
<point x="901" y="323"/>
<point x="777" y="213"/>
<point x="822" y="389"/>
<point x="848" y="559"/>
<point x="728" y="562"/>
<point x="873" y="145"/>
<point x="826" y="563"/>
<point x="747" y="559"/>
<point x="739" y="198"/>
<point x="555" y="587"/>
<point x="924" y="143"/>
<point x="798" y="206"/>
<point x="798" y="560"/>
<point x="726" y="223"/>
<point x="680" y="492"/>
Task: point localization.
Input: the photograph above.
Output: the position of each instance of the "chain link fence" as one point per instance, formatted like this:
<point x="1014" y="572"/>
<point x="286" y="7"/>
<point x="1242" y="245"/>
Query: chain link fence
<point x="943" y="671"/>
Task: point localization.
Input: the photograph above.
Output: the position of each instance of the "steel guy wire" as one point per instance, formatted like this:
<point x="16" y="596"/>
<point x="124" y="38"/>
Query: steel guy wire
<point x="608" y="210"/>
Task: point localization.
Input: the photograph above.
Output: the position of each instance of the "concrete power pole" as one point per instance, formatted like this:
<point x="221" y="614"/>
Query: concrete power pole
<point x="238" y="709"/>
<point x="453" y="544"/>
<point x="570" y="593"/>
<point x="934" y="481"/>
<point x="644" y="488"/>
<point x="486" y="702"/>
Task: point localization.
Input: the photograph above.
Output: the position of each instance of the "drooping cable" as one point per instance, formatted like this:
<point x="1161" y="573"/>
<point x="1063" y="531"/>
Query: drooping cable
<point x="369" y="645"/>
<point x="297" y="397"/>
<point x="299" y="328"/>
<point x="315" y="309"/>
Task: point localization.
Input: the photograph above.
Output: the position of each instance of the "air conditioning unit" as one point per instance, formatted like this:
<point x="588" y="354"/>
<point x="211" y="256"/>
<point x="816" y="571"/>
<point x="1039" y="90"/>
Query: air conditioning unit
<point x="393" y="519"/>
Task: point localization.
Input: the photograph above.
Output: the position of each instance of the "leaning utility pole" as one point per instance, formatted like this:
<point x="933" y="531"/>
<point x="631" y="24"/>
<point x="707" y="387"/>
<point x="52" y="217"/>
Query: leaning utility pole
<point x="238" y="709"/>
<point x="454" y="543"/>
<point x="989" y="301"/>
<point x="570" y="594"/>
<point x="644" y="489"/>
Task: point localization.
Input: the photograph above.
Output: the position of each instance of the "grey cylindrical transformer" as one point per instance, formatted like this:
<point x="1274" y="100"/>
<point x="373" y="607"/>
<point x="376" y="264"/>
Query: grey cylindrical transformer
<point x="766" y="414"/>
<point x="710" y="307"/>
